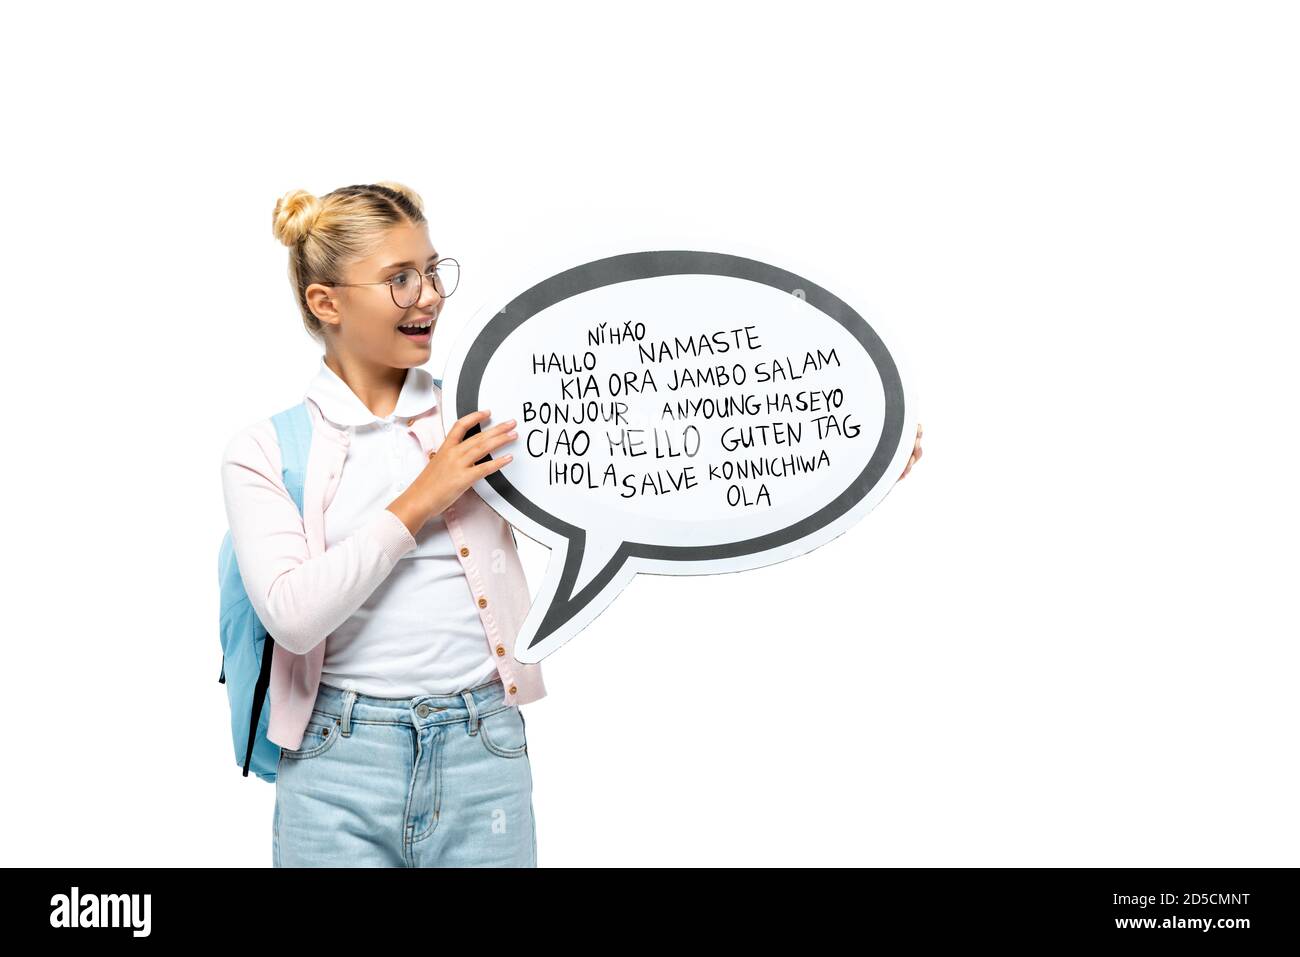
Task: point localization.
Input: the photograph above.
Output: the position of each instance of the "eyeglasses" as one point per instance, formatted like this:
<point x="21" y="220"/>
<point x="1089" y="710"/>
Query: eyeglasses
<point x="408" y="285"/>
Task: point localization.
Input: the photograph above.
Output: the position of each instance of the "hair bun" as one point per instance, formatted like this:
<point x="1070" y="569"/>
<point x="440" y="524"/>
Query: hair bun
<point x="295" y="214"/>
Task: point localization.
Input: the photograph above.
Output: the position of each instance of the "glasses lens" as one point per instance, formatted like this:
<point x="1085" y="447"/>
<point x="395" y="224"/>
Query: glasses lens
<point x="446" y="276"/>
<point x="406" y="288"/>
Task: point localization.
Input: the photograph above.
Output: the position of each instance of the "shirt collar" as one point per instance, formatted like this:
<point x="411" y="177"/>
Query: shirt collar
<point x="338" y="403"/>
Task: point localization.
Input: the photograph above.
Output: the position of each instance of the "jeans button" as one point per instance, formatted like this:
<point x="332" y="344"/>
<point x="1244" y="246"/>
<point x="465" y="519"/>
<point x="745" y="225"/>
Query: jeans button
<point x="422" y="711"/>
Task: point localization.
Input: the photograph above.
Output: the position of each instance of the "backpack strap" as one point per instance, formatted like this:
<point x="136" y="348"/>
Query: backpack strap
<point x="259" y="696"/>
<point x="293" y="427"/>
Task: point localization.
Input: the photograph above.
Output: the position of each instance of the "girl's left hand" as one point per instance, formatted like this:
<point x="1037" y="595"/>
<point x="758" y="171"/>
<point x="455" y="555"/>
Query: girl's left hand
<point x="916" y="453"/>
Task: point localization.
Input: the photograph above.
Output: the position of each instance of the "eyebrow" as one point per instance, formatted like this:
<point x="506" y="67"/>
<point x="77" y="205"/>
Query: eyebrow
<point x="409" y="263"/>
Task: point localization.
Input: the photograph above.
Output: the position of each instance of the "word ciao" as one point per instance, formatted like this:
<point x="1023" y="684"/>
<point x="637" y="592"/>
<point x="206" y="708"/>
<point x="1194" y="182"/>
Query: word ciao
<point x="102" y="910"/>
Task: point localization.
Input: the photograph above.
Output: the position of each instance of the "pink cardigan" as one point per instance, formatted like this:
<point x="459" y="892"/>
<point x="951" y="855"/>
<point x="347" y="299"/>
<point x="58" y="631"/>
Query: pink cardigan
<point x="302" y="591"/>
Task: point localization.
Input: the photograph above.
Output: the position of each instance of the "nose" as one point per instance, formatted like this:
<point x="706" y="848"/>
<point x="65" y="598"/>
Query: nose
<point x="428" y="292"/>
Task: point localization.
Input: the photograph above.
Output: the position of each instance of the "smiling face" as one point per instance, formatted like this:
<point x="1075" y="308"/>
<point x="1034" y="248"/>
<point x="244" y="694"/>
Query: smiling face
<point x="362" y="322"/>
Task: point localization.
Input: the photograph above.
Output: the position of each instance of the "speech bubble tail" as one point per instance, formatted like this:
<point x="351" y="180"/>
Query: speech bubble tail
<point x="586" y="573"/>
<point x="597" y="553"/>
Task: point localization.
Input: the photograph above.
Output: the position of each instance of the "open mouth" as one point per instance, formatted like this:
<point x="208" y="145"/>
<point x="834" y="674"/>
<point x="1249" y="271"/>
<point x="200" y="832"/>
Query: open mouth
<point x="419" y="331"/>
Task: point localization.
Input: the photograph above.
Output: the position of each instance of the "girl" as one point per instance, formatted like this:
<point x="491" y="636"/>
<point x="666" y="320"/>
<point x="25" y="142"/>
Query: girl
<point x="394" y="597"/>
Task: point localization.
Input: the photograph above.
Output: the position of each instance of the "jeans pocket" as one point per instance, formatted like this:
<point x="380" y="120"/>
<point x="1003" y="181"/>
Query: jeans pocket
<point x="321" y="733"/>
<point x="502" y="732"/>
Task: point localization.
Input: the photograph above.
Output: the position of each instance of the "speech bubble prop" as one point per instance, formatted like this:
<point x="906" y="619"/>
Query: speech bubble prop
<point x="680" y="412"/>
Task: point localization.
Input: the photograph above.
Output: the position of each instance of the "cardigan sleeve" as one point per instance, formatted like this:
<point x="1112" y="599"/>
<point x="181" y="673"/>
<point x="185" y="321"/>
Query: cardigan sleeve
<point x="300" y="599"/>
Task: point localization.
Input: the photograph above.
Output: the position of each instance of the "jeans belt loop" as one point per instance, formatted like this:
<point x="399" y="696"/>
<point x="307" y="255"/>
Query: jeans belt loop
<point x="348" y="698"/>
<point x="473" y="711"/>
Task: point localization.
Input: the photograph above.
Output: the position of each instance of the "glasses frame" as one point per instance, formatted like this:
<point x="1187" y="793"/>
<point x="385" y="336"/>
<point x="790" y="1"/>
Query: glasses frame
<point x="392" y="291"/>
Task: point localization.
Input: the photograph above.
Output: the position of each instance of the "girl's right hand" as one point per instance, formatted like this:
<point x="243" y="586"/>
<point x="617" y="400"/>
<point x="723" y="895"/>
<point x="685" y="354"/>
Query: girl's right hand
<point x="451" y="469"/>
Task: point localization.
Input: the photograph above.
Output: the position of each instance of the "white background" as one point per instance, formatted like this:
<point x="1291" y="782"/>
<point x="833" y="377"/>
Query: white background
<point x="1067" y="638"/>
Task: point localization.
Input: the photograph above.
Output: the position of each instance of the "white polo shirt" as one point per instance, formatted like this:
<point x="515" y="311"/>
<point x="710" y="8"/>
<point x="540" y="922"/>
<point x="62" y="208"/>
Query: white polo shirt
<point x="419" y="631"/>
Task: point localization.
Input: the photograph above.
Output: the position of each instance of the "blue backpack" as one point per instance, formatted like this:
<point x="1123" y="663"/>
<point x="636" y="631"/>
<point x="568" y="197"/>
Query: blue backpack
<point x="246" y="648"/>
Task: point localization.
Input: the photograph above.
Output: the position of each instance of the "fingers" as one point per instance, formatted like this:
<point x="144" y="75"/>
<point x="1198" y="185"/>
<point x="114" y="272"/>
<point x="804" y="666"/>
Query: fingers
<point x="490" y="440"/>
<point x="465" y="423"/>
<point x="469" y="421"/>
<point x="500" y="428"/>
<point x="490" y="466"/>
<point x="916" y="454"/>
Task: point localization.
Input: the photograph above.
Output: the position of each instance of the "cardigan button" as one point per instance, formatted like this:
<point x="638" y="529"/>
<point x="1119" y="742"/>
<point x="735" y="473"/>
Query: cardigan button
<point x="482" y="602"/>
<point x="513" y="689"/>
<point x="464" y="550"/>
<point x="501" y="651"/>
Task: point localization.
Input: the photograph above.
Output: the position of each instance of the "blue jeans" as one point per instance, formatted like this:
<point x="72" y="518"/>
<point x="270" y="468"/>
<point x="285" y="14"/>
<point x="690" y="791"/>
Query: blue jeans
<point x="430" y="781"/>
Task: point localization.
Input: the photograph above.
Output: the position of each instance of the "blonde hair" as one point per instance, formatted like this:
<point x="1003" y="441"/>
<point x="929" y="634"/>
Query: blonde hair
<point x="326" y="234"/>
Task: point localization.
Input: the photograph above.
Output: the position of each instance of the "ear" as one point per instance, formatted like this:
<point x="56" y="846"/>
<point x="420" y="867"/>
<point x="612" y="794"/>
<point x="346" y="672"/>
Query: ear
<point x="321" y="302"/>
